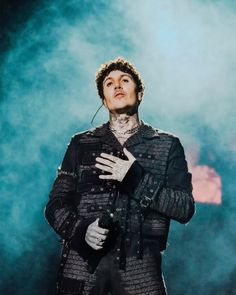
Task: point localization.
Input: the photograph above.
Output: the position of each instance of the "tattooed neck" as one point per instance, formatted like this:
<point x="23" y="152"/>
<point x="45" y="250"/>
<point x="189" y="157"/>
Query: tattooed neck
<point x="124" y="124"/>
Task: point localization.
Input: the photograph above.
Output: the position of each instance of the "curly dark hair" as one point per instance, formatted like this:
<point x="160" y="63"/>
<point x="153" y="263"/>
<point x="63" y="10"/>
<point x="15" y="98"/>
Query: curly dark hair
<point x="120" y="64"/>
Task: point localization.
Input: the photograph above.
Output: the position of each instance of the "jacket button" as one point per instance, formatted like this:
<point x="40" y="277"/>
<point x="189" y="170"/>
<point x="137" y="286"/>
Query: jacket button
<point x="101" y="189"/>
<point x="94" y="172"/>
<point x="140" y="155"/>
<point x="151" y="190"/>
<point x="93" y="154"/>
<point x="149" y="156"/>
<point x="109" y="183"/>
<point x="92" y="189"/>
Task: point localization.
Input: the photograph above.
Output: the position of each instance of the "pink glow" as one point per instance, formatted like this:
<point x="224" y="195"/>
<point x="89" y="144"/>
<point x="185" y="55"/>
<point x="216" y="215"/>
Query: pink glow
<point x="206" y="185"/>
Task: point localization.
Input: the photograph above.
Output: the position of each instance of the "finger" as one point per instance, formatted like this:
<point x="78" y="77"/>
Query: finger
<point x="95" y="223"/>
<point x="96" y="240"/>
<point x="102" y="231"/>
<point x="96" y="231"/>
<point x="128" y="154"/>
<point x="91" y="227"/>
<point x="92" y="243"/>
<point x="92" y="240"/>
<point x="97" y="247"/>
<point x="110" y="157"/>
<point x="108" y="176"/>
<point x="95" y="237"/>
<point x="94" y="246"/>
<point x="100" y="243"/>
<point x="103" y="167"/>
<point x="100" y="239"/>
<point x="105" y="162"/>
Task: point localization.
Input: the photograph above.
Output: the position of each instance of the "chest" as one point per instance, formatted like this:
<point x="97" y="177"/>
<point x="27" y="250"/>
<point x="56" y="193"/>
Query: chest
<point x="152" y="155"/>
<point x="96" y="195"/>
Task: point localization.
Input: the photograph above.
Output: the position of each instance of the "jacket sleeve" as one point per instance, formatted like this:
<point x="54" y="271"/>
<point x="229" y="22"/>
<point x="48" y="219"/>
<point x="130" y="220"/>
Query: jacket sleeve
<point x="60" y="210"/>
<point x="173" y="197"/>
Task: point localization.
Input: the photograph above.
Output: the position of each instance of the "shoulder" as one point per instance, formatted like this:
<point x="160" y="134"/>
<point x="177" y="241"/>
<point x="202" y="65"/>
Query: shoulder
<point x="160" y="133"/>
<point x="92" y="132"/>
<point x="167" y="134"/>
<point x="170" y="138"/>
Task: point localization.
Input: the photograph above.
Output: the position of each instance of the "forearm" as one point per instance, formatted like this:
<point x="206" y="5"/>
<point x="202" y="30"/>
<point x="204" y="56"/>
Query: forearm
<point x="60" y="210"/>
<point x="175" y="204"/>
<point x="61" y="214"/>
<point x="169" y="194"/>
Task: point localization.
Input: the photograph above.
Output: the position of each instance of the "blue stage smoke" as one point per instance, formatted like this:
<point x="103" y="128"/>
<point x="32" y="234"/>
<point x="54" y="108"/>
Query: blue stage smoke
<point x="186" y="53"/>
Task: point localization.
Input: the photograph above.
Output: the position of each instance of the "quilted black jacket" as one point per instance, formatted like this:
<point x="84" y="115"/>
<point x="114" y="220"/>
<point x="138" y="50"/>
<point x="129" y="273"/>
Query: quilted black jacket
<point x="158" y="179"/>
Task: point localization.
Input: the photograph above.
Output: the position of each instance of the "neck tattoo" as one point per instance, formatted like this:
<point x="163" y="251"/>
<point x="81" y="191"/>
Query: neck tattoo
<point x="127" y="132"/>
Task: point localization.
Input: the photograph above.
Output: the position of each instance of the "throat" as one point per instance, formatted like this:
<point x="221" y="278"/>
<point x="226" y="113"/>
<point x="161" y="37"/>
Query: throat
<point x="121" y="138"/>
<point x="124" y="126"/>
<point x="126" y="132"/>
<point x="123" y="135"/>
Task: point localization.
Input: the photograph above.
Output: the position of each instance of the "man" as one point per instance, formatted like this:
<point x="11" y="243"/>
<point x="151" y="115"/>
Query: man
<point x="116" y="191"/>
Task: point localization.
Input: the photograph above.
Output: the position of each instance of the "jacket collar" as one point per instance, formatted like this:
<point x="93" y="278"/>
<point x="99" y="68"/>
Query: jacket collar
<point x="103" y="131"/>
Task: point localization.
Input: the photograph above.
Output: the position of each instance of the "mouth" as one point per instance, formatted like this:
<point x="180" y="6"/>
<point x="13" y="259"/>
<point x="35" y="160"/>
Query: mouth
<point x="119" y="94"/>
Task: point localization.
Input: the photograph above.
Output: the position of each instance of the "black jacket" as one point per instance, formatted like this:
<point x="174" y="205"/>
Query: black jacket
<point x="157" y="188"/>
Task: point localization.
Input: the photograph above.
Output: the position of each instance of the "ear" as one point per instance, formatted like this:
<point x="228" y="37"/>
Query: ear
<point x="140" y="97"/>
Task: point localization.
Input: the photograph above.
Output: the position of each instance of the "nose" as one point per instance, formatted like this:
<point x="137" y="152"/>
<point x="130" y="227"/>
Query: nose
<point x="117" y="86"/>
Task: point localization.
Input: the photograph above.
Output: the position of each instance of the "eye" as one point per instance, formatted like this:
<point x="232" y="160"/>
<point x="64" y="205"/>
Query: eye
<point x="109" y="84"/>
<point x="125" y="80"/>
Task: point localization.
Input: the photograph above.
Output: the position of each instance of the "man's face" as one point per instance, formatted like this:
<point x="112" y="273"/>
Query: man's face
<point x="119" y="91"/>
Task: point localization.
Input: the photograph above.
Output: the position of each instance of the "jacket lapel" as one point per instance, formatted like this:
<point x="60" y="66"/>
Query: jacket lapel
<point x="144" y="132"/>
<point x="106" y="136"/>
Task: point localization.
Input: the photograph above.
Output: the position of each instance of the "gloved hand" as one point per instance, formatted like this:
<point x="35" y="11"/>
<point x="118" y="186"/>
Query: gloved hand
<point x="95" y="236"/>
<point x="116" y="166"/>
